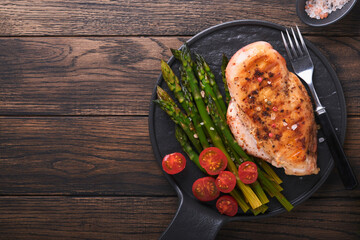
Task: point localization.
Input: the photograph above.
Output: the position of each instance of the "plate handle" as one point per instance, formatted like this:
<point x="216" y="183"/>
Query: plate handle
<point x="193" y="220"/>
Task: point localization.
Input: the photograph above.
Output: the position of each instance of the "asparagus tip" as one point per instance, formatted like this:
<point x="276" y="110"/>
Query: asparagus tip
<point x="161" y="93"/>
<point x="176" y="53"/>
<point x="158" y="88"/>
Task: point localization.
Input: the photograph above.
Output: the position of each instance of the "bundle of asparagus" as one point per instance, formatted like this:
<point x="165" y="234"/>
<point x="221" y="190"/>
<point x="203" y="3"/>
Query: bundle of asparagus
<point x="204" y="124"/>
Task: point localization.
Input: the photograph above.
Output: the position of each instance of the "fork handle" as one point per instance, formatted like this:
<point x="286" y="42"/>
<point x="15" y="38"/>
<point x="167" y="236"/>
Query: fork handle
<point x="341" y="162"/>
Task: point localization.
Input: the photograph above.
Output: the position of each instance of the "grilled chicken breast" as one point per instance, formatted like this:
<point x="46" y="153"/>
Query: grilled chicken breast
<point x="270" y="113"/>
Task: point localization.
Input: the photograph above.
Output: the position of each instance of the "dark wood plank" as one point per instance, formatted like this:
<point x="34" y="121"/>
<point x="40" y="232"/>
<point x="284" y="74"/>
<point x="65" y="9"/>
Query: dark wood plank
<point x="147" y="217"/>
<point x="115" y="76"/>
<point x="84" y="218"/>
<point x="101" y="76"/>
<point x="95" y="17"/>
<point x="317" y="218"/>
<point x="106" y="155"/>
<point x="101" y="156"/>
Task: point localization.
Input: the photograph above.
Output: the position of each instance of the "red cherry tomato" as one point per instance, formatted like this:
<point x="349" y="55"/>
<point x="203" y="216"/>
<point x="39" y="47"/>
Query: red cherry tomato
<point x="227" y="205"/>
<point x="213" y="160"/>
<point x="248" y="172"/>
<point x="205" y="189"/>
<point x="226" y="181"/>
<point x="174" y="163"/>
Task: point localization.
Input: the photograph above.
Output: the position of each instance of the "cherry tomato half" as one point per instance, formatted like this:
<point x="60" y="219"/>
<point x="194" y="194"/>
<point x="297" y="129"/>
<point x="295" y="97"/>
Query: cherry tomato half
<point x="205" y="189"/>
<point x="226" y="181"/>
<point x="174" y="163"/>
<point x="248" y="172"/>
<point x="213" y="160"/>
<point x="227" y="205"/>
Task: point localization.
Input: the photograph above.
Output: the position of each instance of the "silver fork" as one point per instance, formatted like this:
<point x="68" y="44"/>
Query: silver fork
<point x="303" y="66"/>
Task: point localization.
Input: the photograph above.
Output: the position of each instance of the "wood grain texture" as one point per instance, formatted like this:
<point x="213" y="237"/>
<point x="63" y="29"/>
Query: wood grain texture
<point x="62" y="76"/>
<point x="83" y="155"/>
<point x="84" y="218"/>
<point x="123" y="17"/>
<point x="102" y="156"/>
<point x="147" y="217"/>
<point x="317" y="218"/>
<point x="116" y="75"/>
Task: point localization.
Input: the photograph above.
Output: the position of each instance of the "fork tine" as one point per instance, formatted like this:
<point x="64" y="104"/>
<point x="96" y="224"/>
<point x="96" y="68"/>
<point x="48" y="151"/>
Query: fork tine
<point x="297" y="43"/>
<point x="302" y="40"/>
<point x="291" y="44"/>
<point x="286" y="46"/>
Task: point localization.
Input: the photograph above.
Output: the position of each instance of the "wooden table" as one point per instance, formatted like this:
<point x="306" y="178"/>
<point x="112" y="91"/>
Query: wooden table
<point x="76" y="79"/>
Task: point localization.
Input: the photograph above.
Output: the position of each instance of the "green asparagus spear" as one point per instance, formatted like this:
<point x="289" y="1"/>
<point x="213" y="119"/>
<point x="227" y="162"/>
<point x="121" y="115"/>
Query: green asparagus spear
<point x="187" y="92"/>
<point x="169" y="106"/>
<point x="173" y="83"/>
<point x="204" y="80"/>
<point x="225" y="130"/>
<point x="224" y="64"/>
<point x="268" y="170"/>
<point x="184" y="99"/>
<point x="183" y="140"/>
<point x="213" y="84"/>
<point x="240" y="200"/>
<point x="268" y="186"/>
<point x="185" y="85"/>
<point x="259" y="210"/>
